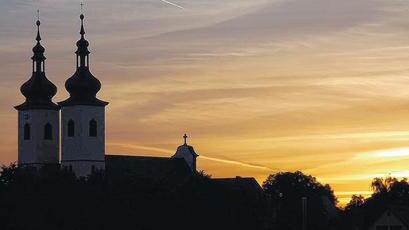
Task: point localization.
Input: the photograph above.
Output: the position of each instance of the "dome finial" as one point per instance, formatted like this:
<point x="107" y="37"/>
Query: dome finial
<point x="82" y="32"/>
<point x="38" y="38"/>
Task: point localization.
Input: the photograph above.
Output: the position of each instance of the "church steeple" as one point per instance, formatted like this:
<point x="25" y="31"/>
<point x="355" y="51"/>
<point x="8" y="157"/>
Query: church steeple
<point x="83" y="117"/>
<point x="38" y="90"/>
<point x="82" y="86"/>
<point x="38" y="116"/>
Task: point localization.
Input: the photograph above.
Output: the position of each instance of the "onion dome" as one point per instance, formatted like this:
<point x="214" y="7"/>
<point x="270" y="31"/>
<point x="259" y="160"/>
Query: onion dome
<point x="82" y="85"/>
<point x="38" y="90"/>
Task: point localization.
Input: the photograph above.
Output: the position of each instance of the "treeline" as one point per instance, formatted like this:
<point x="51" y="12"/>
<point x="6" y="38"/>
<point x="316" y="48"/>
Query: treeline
<point x="387" y="192"/>
<point x="51" y="198"/>
<point x="322" y="211"/>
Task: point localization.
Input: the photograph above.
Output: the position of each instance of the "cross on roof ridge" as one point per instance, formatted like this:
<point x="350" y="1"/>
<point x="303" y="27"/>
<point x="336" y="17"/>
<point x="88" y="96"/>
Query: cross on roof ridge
<point x="185" y="138"/>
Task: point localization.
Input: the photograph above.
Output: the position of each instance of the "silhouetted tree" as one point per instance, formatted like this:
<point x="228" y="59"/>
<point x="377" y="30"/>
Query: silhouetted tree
<point x="382" y="185"/>
<point x="387" y="192"/>
<point x="355" y="202"/>
<point x="287" y="191"/>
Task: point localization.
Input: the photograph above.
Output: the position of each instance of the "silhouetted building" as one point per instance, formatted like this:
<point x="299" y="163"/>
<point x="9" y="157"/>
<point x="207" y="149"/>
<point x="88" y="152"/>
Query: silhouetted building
<point x="243" y="195"/>
<point x="38" y="116"/>
<point x="82" y="125"/>
<point x="166" y="170"/>
<point x="247" y="189"/>
<point x="126" y="187"/>
<point x="393" y="218"/>
<point x="83" y="131"/>
<point x="83" y="117"/>
<point x="243" y="185"/>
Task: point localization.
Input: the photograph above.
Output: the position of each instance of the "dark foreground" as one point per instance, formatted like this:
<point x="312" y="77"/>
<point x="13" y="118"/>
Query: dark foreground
<point x="51" y="198"/>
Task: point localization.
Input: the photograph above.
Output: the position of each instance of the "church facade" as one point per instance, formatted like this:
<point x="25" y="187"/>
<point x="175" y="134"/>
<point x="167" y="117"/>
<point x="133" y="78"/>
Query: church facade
<point x="77" y="124"/>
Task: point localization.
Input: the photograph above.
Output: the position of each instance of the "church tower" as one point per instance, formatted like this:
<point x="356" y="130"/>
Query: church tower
<point x="38" y="116"/>
<point x="83" y="117"/>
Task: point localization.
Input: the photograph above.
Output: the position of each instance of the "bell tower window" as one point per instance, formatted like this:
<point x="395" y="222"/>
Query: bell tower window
<point x="27" y="132"/>
<point x="71" y="128"/>
<point x="48" y="132"/>
<point x="92" y="128"/>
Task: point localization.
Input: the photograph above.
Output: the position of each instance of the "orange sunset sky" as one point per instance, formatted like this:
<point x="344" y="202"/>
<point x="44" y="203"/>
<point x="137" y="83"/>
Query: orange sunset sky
<point x="261" y="86"/>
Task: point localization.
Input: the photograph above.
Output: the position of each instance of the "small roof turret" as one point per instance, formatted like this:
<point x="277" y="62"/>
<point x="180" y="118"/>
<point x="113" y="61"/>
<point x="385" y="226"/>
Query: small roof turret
<point x="188" y="153"/>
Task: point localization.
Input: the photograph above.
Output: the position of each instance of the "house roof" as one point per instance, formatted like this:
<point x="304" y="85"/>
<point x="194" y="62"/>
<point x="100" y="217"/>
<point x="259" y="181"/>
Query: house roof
<point x="244" y="190"/>
<point x="148" y="167"/>
<point x="244" y="184"/>
<point x="402" y="213"/>
<point x="238" y="181"/>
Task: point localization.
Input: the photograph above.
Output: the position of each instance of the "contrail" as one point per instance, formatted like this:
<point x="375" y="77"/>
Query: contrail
<point x="173" y="4"/>
<point x="243" y="164"/>
<point x="140" y="147"/>
<point x="160" y="150"/>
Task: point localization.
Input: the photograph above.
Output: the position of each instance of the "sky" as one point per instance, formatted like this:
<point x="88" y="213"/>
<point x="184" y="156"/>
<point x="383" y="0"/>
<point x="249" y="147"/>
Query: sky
<point x="259" y="86"/>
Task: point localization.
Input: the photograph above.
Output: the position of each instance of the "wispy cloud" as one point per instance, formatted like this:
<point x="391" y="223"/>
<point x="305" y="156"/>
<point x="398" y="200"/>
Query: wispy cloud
<point x="173" y="4"/>
<point x="385" y="153"/>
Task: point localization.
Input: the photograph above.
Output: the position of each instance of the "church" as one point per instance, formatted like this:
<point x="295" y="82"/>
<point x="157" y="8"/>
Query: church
<point x="75" y="128"/>
<point x="70" y="136"/>
<point x="77" y="124"/>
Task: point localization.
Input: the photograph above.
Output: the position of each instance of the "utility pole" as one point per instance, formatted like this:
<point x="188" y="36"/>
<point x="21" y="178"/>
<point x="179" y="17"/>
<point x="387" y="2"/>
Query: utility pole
<point x="304" y="213"/>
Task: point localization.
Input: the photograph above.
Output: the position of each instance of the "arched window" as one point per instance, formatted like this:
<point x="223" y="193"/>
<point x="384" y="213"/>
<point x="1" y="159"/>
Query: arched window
<point x="48" y="132"/>
<point x="71" y="128"/>
<point x="27" y="132"/>
<point x="92" y="128"/>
